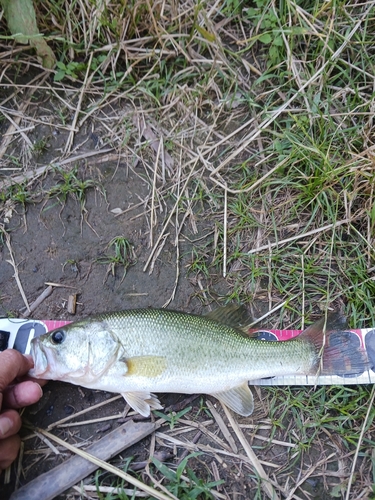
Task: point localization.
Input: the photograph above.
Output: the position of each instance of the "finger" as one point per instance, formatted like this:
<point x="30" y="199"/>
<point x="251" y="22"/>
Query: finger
<point x="10" y="423"/>
<point x="13" y="364"/>
<point x="22" y="394"/>
<point x="9" y="450"/>
<point x="39" y="381"/>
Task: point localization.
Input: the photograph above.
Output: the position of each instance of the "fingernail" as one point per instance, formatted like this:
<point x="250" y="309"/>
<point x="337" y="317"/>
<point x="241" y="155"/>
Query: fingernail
<point x="5" y="425"/>
<point x="40" y="389"/>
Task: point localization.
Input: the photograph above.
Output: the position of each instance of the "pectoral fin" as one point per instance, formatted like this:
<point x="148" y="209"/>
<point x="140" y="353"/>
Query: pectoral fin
<point x="145" y="366"/>
<point x="142" y="402"/>
<point x="238" y="399"/>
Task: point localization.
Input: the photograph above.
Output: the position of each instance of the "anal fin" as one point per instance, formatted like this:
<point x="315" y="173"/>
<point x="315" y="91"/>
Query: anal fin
<point x="238" y="399"/>
<point x="142" y="402"/>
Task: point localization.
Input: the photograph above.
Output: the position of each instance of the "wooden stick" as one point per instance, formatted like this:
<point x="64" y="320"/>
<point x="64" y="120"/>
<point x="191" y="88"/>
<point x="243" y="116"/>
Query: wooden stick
<point x="47" y="292"/>
<point x="12" y="262"/>
<point x="52" y="483"/>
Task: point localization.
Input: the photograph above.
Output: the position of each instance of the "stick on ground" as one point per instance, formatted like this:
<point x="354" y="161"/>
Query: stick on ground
<point x="52" y="483"/>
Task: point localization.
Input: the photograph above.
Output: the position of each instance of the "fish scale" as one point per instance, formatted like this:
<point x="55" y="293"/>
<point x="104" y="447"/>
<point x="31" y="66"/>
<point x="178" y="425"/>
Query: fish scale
<point x="196" y="346"/>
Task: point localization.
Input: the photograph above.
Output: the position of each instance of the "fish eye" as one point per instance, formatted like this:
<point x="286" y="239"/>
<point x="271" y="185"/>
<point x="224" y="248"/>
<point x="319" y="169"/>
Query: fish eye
<point x="58" y="337"/>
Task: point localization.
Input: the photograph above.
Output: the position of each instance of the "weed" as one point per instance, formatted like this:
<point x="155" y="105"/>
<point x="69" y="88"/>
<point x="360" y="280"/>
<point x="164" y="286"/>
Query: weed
<point x="190" y="487"/>
<point x="17" y="193"/>
<point x="267" y="22"/>
<point x="203" y="409"/>
<point x="72" y="69"/>
<point x="41" y="145"/>
<point x="121" y="253"/>
<point x="70" y="185"/>
<point x="173" y="417"/>
<point x="198" y="264"/>
<point x="76" y="70"/>
<point x="73" y="265"/>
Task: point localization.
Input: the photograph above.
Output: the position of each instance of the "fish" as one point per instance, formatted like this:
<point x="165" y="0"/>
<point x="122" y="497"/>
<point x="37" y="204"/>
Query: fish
<point x="140" y="352"/>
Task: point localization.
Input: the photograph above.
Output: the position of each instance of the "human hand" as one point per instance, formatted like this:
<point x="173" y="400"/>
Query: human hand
<point x="14" y="395"/>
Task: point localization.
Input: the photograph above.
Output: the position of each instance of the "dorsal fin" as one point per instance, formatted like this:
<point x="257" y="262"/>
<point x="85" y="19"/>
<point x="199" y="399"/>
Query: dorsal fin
<point x="233" y="315"/>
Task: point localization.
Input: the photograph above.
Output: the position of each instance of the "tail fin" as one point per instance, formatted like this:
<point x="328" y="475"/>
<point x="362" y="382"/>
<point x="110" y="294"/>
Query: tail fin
<point x="339" y="351"/>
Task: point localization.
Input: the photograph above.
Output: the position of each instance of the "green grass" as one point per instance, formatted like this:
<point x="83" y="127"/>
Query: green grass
<point x="69" y="183"/>
<point x="173" y="417"/>
<point x="186" y="488"/>
<point x="120" y="253"/>
<point x="17" y="193"/>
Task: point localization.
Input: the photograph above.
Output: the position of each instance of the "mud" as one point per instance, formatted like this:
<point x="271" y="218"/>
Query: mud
<point x="64" y="245"/>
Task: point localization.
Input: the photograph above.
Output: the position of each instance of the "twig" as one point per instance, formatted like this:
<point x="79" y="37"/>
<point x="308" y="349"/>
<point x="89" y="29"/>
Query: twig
<point x="48" y="443"/>
<point x="47" y="292"/>
<point x="73" y="129"/>
<point x="299" y="236"/>
<point x="33" y="174"/>
<point x="110" y="489"/>
<point x="185" y="453"/>
<point x="19" y="469"/>
<point x="210" y="450"/>
<point x="50" y="283"/>
<point x="224" y="429"/>
<point x="225" y="228"/>
<point x="21" y="115"/>
<point x="256" y="183"/>
<point x="153" y="215"/>
<point x="162" y="233"/>
<point x="16" y="276"/>
<point x="82" y="412"/>
<point x="279" y="306"/>
<point x="172" y="296"/>
<point x="14" y="124"/>
<point x="92" y="421"/>
<point x="308" y="474"/>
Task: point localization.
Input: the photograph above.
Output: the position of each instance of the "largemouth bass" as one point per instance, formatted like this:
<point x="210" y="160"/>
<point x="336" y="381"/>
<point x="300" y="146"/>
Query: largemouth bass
<point x="142" y="351"/>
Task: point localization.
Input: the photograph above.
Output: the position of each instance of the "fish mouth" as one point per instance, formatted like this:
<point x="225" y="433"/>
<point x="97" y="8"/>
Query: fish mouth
<point x="40" y="359"/>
